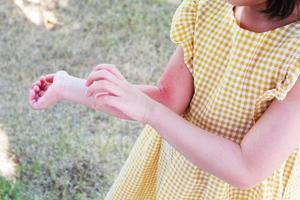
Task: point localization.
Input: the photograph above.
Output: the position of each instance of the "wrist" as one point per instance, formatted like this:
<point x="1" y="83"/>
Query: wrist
<point x="64" y="87"/>
<point x="154" y="113"/>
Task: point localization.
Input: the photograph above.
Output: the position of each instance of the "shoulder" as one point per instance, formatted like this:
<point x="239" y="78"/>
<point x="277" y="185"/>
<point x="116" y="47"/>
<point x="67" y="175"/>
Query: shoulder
<point x="201" y="4"/>
<point x="190" y="11"/>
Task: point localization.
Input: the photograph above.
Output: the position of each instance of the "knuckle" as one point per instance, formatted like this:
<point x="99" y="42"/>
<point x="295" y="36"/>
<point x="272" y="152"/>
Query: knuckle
<point x="100" y="73"/>
<point x="89" y="78"/>
<point x="92" y="76"/>
<point x="105" y="74"/>
<point x="99" y="66"/>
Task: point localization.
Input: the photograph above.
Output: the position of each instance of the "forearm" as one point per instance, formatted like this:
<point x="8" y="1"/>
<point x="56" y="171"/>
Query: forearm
<point x="74" y="90"/>
<point x="160" y="95"/>
<point x="208" y="151"/>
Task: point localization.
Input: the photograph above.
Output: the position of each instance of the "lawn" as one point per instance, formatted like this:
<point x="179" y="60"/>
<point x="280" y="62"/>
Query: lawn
<point x="71" y="151"/>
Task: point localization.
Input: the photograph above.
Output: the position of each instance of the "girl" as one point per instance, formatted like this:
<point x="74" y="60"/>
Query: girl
<point x="223" y="121"/>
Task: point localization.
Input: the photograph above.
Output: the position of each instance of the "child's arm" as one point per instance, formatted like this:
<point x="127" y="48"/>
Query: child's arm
<point x="264" y="148"/>
<point x="174" y="89"/>
<point x="176" y="84"/>
<point x="52" y="88"/>
<point x="74" y="90"/>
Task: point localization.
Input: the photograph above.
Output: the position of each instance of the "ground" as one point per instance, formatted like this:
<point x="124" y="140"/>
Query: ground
<point x="70" y="151"/>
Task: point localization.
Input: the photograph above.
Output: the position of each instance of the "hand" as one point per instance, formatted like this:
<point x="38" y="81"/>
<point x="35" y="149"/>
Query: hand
<point x="46" y="91"/>
<point x="116" y="96"/>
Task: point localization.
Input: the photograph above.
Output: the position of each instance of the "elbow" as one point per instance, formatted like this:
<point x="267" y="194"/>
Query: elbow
<point x="173" y="100"/>
<point x="169" y="100"/>
<point x="248" y="177"/>
<point x="242" y="176"/>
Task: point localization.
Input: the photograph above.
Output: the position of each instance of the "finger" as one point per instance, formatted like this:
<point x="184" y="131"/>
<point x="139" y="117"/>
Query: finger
<point x="31" y="94"/>
<point x="35" y="105"/>
<point x="49" y="78"/>
<point x="38" y="83"/>
<point x="43" y="80"/>
<point x="42" y="77"/>
<point x="101" y="93"/>
<point x="104" y="86"/>
<point x="102" y="66"/>
<point x="36" y="88"/>
<point x="36" y="97"/>
<point x="41" y="93"/>
<point x="43" y="84"/>
<point x="102" y="75"/>
<point x="32" y="99"/>
<point x="43" y="101"/>
<point x="32" y="103"/>
<point x="112" y="68"/>
<point x="46" y="87"/>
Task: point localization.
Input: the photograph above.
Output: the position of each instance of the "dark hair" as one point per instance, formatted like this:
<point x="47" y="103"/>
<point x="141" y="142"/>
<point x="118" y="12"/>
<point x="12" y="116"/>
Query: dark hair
<point x="280" y="8"/>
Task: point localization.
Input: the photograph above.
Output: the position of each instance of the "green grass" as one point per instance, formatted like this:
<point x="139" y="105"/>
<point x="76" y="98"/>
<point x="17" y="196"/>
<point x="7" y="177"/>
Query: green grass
<point x="70" y="151"/>
<point x="11" y="191"/>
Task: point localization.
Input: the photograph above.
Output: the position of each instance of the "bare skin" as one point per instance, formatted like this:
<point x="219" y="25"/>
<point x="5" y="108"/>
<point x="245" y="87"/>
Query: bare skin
<point x="265" y="147"/>
<point x="248" y="16"/>
<point x="52" y="88"/>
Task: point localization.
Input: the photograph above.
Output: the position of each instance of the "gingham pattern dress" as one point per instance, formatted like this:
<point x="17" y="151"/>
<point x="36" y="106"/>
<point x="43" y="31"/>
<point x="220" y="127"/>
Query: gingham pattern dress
<point x="237" y="73"/>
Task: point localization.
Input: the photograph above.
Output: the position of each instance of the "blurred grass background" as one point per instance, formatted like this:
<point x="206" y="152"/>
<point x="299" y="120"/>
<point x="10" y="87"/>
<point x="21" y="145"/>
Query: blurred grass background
<point x="70" y="151"/>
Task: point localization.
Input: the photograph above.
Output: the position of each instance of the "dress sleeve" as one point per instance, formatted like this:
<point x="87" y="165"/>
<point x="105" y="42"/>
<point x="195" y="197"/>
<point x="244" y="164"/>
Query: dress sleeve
<point x="182" y="29"/>
<point x="289" y="81"/>
<point x="279" y="91"/>
<point x="286" y="84"/>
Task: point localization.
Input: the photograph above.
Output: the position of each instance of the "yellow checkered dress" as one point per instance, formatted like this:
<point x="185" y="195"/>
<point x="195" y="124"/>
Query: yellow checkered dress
<point x="237" y="73"/>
